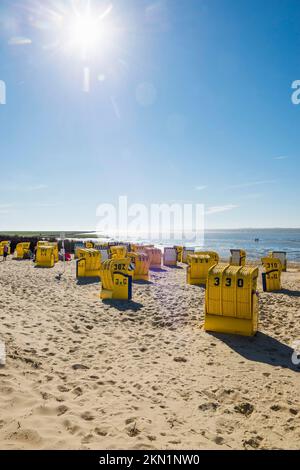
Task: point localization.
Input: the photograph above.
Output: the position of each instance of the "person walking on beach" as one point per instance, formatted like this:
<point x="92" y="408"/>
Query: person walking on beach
<point x="5" y="252"/>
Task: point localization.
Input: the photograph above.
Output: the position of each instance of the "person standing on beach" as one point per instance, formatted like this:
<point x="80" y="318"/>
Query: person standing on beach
<point x="5" y="252"/>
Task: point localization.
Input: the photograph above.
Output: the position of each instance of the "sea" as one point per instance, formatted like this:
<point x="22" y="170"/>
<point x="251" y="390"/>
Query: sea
<point x="256" y="242"/>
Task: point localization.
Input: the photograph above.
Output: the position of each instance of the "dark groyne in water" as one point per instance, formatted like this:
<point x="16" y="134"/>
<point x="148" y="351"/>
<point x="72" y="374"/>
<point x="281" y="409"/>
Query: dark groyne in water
<point x="14" y="240"/>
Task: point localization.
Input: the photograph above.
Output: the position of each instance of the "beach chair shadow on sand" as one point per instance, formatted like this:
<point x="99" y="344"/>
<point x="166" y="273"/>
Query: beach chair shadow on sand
<point x="261" y="348"/>
<point x="85" y="281"/>
<point x="175" y="267"/>
<point x="124" y="306"/>
<point x="290" y="293"/>
<point x="140" y="282"/>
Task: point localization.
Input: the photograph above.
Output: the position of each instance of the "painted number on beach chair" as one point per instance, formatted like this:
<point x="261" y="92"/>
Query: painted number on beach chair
<point x="228" y="282"/>
<point x="120" y="267"/>
<point x="121" y="283"/>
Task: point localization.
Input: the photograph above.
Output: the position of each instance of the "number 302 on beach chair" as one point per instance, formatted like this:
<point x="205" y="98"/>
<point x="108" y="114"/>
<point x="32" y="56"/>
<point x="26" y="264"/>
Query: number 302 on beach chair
<point x="116" y="278"/>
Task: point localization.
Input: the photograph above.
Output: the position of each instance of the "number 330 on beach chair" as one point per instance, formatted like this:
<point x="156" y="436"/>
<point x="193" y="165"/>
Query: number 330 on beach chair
<point x="231" y="302"/>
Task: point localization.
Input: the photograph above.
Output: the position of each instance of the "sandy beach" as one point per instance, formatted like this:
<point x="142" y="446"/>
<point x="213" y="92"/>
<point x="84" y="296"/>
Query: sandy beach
<point x="87" y="374"/>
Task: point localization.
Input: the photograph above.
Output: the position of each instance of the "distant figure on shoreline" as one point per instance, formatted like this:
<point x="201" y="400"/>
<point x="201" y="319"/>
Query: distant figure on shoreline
<point x="256" y="240"/>
<point x="5" y="252"/>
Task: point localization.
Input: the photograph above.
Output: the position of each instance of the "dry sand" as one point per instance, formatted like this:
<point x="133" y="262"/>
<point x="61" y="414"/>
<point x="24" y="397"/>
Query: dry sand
<point x="82" y="374"/>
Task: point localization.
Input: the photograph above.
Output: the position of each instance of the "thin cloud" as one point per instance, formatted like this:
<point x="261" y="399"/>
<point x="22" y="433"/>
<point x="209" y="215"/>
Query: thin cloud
<point x="251" y="184"/>
<point x="30" y="188"/>
<point x="282" y="157"/>
<point x="217" y="209"/>
<point x="46" y="204"/>
<point x="200" y="188"/>
<point x="252" y="196"/>
<point x="19" y="41"/>
<point x="37" y="187"/>
<point x="5" y="208"/>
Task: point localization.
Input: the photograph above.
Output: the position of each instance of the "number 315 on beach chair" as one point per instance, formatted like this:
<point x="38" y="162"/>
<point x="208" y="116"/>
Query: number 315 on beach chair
<point x="271" y="278"/>
<point x="231" y="302"/>
<point x="281" y="255"/>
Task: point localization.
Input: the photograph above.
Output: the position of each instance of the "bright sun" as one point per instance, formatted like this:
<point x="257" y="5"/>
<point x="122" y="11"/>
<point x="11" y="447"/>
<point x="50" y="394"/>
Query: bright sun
<point x="88" y="33"/>
<point x="84" y="32"/>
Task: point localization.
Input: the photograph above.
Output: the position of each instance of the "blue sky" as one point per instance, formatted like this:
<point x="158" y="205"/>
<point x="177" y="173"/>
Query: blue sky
<point x="188" y="101"/>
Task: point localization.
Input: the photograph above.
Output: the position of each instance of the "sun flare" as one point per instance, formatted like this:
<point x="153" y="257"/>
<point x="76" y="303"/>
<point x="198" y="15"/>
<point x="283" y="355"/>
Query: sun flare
<point x="84" y="33"/>
<point x="87" y="32"/>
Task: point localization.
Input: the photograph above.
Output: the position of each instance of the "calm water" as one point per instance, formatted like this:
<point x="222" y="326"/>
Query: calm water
<point x="269" y="239"/>
<point x="276" y="240"/>
<point x="223" y="240"/>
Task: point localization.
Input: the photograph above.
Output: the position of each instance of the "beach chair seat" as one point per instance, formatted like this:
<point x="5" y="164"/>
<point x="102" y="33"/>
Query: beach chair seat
<point x="116" y="279"/>
<point x="237" y="258"/>
<point x="212" y="254"/>
<point x="88" y="263"/>
<point x="282" y="256"/>
<point x="89" y="244"/>
<point x="55" y="248"/>
<point x="179" y="250"/>
<point x="78" y="246"/>
<point x="118" y="251"/>
<point x="155" y="257"/>
<point x="170" y="256"/>
<point x="139" y="248"/>
<point x="22" y="250"/>
<point x="185" y="253"/>
<point x="271" y="278"/>
<point x="198" y="267"/>
<point x="44" y="256"/>
<point x="141" y="266"/>
<point x="231" y="300"/>
<point x="2" y="245"/>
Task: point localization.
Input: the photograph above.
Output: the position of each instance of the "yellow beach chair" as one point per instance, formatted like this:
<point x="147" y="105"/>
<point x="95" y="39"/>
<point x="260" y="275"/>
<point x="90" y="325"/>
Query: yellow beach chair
<point x="231" y="300"/>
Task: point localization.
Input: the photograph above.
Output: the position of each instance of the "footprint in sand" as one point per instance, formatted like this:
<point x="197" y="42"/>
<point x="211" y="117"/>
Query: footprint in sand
<point x="101" y="431"/>
<point x="87" y="416"/>
<point x="245" y="409"/>
<point x="61" y="410"/>
<point x="79" y="367"/>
